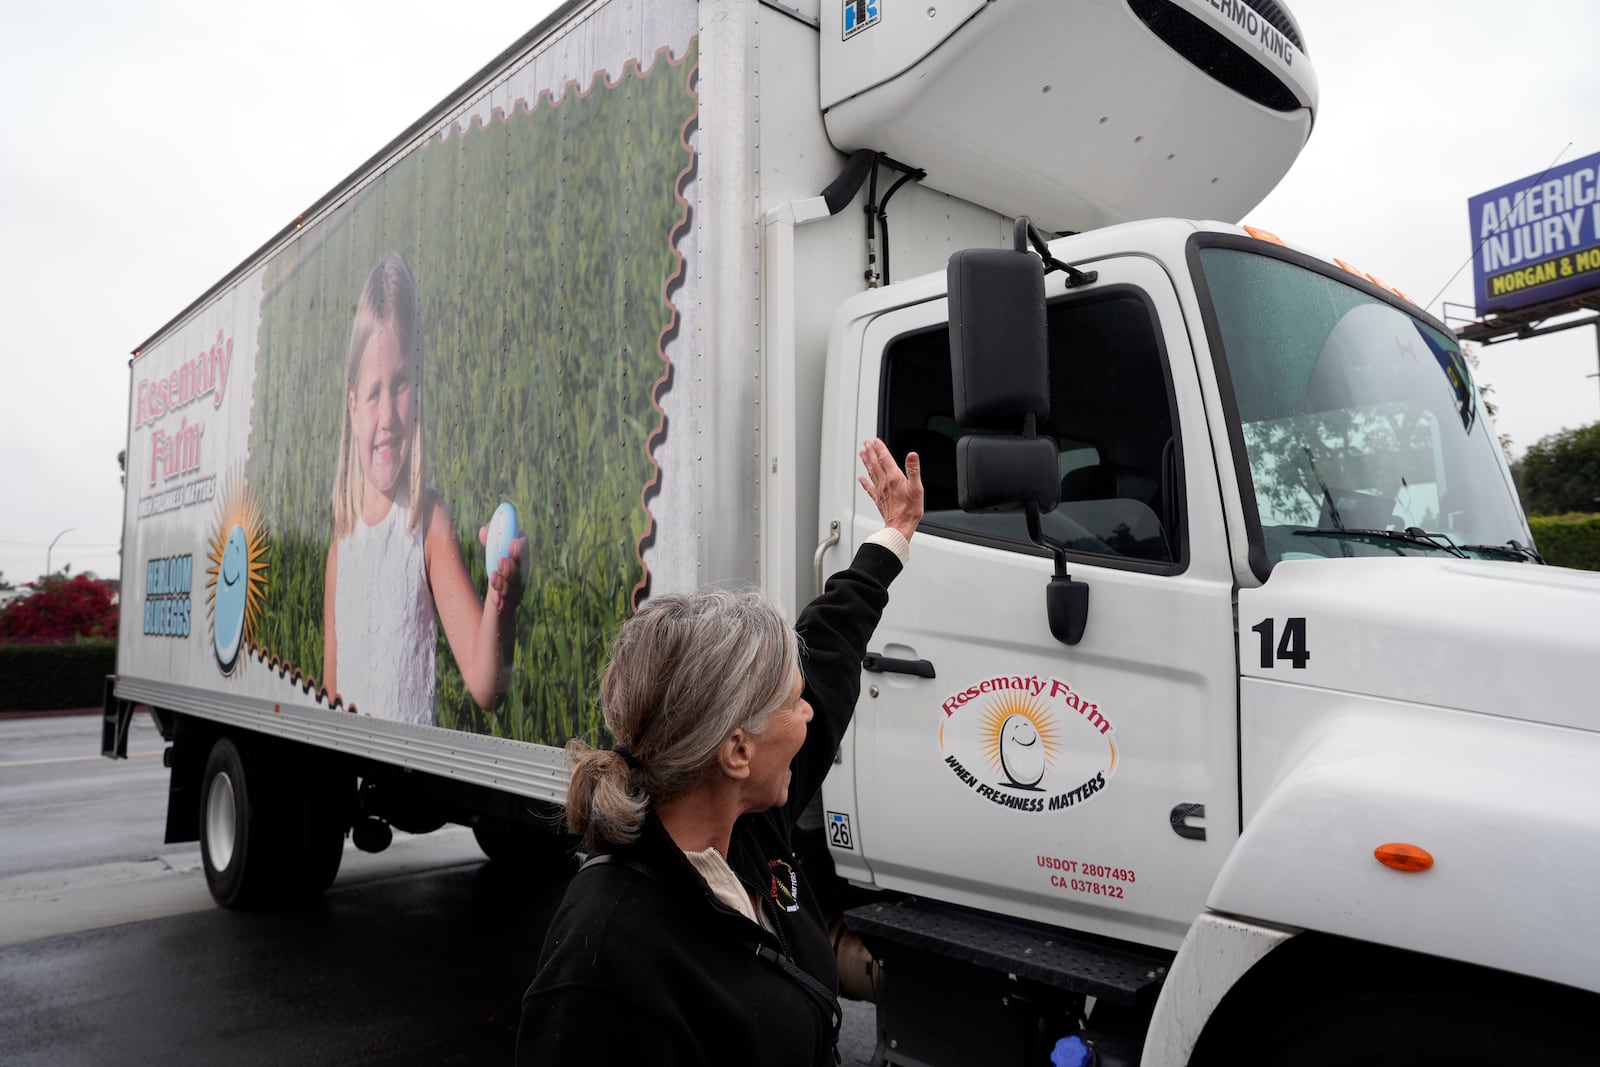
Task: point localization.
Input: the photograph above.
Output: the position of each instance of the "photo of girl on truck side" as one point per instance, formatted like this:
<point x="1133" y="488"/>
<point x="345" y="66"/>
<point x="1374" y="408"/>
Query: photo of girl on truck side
<point x="394" y="561"/>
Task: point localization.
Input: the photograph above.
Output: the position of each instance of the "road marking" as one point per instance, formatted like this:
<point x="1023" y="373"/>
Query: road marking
<point x="71" y="759"/>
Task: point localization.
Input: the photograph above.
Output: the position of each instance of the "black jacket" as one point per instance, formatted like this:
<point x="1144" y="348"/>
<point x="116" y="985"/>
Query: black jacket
<point x="642" y="965"/>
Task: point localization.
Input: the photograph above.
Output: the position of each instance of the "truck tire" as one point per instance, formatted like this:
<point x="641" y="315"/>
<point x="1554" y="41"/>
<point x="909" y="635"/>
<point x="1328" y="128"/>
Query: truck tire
<point x="270" y="837"/>
<point x="319" y="802"/>
<point x="1405" y="1027"/>
<point x="514" y="849"/>
<point x="233" y="831"/>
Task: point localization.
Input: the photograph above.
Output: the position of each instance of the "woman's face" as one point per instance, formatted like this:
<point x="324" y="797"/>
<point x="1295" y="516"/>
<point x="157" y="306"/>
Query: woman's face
<point x="775" y="748"/>
<point x="380" y="410"/>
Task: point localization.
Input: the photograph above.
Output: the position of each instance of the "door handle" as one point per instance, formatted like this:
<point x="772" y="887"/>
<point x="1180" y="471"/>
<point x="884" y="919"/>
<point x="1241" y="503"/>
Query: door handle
<point x="879" y="664"/>
<point x="822" y="550"/>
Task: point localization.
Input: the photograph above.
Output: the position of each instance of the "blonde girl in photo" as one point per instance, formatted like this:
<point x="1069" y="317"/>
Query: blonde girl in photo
<point x="394" y="562"/>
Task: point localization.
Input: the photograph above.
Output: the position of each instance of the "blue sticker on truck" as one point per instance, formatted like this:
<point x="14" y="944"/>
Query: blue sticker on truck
<point x="861" y="15"/>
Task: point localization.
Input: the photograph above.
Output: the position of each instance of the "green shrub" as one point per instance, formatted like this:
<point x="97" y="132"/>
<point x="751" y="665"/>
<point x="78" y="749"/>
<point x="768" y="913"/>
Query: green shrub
<point x="1568" y="540"/>
<point x="47" y="677"/>
<point x="1561" y="473"/>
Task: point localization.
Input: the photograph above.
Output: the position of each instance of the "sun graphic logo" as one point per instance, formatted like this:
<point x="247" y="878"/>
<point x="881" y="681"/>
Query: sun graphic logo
<point x="1027" y="743"/>
<point x="236" y="580"/>
<point x="1020" y="739"/>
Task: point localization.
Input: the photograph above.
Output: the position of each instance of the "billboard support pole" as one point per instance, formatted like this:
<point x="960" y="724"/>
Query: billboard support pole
<point x="1596" y="322"/>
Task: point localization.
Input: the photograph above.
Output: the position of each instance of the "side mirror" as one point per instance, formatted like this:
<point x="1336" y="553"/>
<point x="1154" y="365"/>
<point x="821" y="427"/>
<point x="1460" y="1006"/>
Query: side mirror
<point x="1002" y="473"/>
<point x="999" y="350"/>
<point x="1000" y="378"/>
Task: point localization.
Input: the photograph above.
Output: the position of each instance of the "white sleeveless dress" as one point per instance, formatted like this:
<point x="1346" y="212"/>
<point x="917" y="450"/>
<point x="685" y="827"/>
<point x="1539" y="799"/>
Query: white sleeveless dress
<point x="384" y="620"/>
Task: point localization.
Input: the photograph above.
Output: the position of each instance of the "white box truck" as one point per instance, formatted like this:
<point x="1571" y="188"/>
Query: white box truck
<point x="1294" y="758"/>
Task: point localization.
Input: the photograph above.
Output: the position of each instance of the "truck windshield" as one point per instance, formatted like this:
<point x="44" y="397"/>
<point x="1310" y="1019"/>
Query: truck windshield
<point x="1364" y="433"/>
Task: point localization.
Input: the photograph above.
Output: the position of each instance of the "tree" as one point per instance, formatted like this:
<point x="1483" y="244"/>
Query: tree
<point x="1561" y="473"/>
<point x="1486" y="393"/>
<point x="61" y="609"/>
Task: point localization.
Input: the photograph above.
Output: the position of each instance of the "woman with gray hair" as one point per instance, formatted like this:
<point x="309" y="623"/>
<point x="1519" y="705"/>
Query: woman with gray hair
<point x="692" y="936"/>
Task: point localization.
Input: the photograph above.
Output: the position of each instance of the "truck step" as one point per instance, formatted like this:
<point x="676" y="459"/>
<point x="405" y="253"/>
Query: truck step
<point x="1112" y="973"/>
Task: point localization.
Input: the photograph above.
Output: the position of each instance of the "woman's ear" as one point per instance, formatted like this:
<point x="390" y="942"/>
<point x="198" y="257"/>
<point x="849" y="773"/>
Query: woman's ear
<point x="733" y="755"/>
<point x="350" y="403"/>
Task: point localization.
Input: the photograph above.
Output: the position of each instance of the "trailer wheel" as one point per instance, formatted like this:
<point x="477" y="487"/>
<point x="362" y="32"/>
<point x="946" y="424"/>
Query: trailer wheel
<point x="231" y="831"/>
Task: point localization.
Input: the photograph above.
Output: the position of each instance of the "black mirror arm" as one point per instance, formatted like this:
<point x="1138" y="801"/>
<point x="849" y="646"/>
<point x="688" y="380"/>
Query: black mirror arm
<point x="1025" y="232"/>
<point x="1036" y="535"/>
<point x="1066" y="600"/>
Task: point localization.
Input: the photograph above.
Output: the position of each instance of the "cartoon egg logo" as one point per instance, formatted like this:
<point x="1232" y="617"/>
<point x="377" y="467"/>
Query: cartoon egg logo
<point x="228" y="620"/>
<point x="1022" y="754"/>
<point x="237" y="577"/>
<point x="1020" y="740"/>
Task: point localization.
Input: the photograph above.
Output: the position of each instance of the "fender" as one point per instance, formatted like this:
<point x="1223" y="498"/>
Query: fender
<point x="1506" y="808"/>
<point x="1216" y="953"/>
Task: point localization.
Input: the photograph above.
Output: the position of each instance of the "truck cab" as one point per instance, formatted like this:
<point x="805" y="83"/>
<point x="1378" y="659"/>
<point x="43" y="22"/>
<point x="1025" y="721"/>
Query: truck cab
<point x="1301" y="545"/>
<point x="1225" y="705"/>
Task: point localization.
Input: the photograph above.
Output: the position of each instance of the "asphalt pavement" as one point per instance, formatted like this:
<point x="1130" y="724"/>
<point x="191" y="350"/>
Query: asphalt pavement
<point x="112" y="952"/>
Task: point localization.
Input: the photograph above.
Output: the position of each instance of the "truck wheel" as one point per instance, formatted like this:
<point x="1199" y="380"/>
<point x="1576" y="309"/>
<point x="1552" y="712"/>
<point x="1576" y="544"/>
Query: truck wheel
<point x="320" y="802"/>
<point x="1401" y="1028"/>
<point x="231" y="831"/>
<point x="516" y="849"/>
<point x="269" y="836"/>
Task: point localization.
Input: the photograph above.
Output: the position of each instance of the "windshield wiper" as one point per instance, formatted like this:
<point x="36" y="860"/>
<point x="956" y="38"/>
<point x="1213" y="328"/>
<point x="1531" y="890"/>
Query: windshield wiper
<point x="1411" y="535"/>
<point x="1510" y="550"/>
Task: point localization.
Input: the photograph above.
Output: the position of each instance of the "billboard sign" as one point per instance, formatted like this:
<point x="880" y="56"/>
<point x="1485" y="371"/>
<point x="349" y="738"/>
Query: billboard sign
<point x="1537" y="238"/>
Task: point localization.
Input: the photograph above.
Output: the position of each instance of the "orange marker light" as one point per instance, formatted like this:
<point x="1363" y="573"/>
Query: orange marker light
<point x="1404" y="857"/>
<point x="1272" y="238"/>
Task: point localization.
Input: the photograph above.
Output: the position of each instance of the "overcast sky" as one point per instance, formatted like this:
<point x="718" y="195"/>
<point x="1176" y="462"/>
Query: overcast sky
<point x="153" y="145"/>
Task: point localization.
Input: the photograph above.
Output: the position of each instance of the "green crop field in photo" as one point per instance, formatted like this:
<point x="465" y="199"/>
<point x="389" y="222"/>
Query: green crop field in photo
<point x="541" y="245"/>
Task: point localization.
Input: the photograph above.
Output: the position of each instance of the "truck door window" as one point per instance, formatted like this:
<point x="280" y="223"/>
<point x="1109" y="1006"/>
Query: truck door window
<point x="1111" y="418"/>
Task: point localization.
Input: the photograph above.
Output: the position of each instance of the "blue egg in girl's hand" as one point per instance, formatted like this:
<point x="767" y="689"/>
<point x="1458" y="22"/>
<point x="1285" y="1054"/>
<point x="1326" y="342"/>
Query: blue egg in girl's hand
<point x="503" y="530"/>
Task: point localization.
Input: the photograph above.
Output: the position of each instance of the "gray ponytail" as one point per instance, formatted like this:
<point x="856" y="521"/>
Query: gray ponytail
<point x="685" y="672"/>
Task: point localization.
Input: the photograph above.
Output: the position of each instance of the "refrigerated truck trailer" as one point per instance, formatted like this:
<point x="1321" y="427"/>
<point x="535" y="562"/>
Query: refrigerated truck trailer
<point x="1225" y="708"/>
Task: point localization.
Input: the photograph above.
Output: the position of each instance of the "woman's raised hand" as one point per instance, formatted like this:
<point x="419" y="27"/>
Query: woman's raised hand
<point x="898" y="495"/>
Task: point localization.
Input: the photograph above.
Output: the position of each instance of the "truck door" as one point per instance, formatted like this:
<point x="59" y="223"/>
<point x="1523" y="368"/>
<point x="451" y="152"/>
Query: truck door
<point x="1059" y="783"/>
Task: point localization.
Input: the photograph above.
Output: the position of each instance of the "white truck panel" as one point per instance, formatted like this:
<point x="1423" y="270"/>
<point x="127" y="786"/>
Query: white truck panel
<point x="1504" y="806"/>
<point x="539" y="772"/>
<point x="811" y="263"/>
<point x="1111" y="865"/>
<point x="1500" y="638"/>
<point x="1109" y="123"/>
<point x="867" y="44"/>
